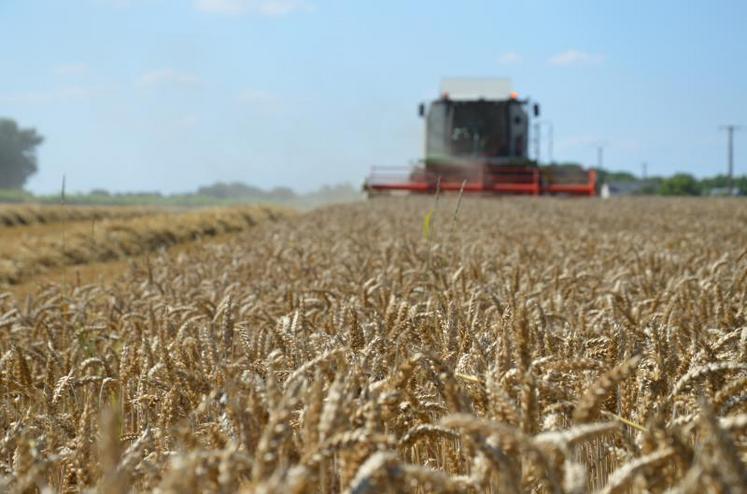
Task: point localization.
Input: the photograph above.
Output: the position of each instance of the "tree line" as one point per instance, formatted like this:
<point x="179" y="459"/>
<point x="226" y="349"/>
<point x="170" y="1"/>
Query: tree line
<point x="679" y="184"/>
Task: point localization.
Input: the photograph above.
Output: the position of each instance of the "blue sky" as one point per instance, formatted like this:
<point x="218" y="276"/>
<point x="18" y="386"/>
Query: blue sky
<point x="169" y="95"/>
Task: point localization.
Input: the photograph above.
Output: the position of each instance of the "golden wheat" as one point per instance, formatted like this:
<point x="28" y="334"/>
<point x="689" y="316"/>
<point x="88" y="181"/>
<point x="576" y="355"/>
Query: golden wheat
<point x="520" y="346"/>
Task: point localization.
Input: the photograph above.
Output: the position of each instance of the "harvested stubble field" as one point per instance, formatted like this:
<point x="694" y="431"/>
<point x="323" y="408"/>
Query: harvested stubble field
<point x="523" y="346"/>
<point x="26" y="251"/>
<point x="43" y="214"/>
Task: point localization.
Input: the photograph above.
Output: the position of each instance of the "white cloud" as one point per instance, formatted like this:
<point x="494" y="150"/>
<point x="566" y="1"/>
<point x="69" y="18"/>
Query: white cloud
<point x="167" y="77"/>
<point x="71" y="69"/>
<point x="59" y="95"/>
<point x="510" y="57"/>
<point x="576" y="57"/>
<point x="273" y="8"/>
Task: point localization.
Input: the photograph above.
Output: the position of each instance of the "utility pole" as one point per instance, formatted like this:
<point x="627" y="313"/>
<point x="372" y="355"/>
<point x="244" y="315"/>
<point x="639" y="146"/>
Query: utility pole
<point x="600" y="156"/>
<point x="539" y="123"/>
<point x="730" y="153"/>
<point x="644" y="167"/>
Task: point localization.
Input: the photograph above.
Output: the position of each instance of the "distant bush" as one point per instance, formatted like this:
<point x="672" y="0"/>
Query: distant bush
<point x="612" y="176"/>
<point x="15" y="195"/>
<point x="680" y="184"/>
<point x="282" y="193"/>
<point x="233" y="190"/>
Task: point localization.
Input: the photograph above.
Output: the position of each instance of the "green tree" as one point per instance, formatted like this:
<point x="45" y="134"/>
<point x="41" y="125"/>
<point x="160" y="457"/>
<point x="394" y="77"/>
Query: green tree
<point x="614" y="176"/>
<point x="17" y="154"/>
<point x="680" y="184"/>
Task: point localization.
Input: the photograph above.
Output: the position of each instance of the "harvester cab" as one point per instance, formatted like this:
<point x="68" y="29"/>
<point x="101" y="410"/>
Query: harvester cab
<point x="477" y="127"/>
<point x="476" y="140"/>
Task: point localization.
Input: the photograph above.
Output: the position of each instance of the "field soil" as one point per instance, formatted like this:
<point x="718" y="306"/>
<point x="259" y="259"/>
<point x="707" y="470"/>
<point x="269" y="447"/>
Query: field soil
<point x="397" y="345"/>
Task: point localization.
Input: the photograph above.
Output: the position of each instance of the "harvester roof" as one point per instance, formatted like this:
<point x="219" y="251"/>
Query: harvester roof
<point x="476" y="88"/>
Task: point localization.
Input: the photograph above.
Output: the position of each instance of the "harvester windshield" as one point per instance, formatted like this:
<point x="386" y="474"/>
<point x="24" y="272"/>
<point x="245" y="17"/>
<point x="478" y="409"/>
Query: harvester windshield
<point x="493" y="130"/>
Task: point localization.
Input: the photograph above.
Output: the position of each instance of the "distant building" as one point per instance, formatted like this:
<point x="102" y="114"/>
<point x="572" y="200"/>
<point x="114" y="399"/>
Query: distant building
<point x="724" y="192"/>
<point x="610" y="189"/>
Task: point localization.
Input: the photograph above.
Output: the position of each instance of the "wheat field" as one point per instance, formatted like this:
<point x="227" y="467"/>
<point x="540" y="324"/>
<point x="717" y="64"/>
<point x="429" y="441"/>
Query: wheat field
<point x="398" y="345"/>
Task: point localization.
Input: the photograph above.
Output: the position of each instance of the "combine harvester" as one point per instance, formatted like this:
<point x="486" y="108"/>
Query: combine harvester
<point x="476" y="138"/>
